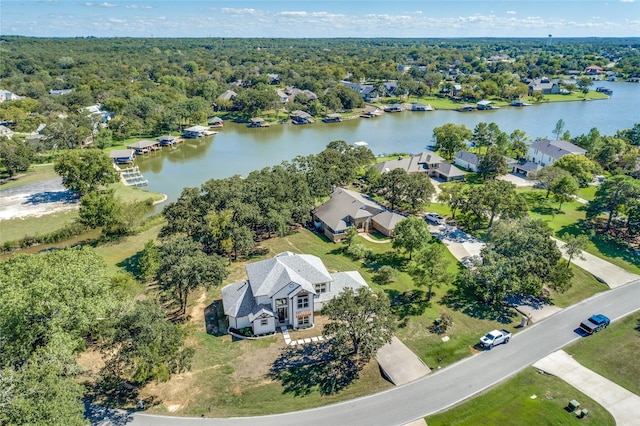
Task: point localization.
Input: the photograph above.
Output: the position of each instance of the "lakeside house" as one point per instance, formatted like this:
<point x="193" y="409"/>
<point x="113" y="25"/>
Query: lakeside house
<point x="285" y="290"/>
<point x="427" y="162"/>
<point x="347" y="208"/>
<point x="544" y="152"/>
<point x="6" y="95"/>
<point x="467" y="160"/>
<point x="544" y="86"/>
<point x="366" y="91"/>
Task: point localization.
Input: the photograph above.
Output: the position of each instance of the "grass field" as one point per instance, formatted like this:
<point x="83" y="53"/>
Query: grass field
<point x="613" y="353"/>
<point x="510" y="404"/>
<point x="36" y="173"/>
<point x="15" y="229"/>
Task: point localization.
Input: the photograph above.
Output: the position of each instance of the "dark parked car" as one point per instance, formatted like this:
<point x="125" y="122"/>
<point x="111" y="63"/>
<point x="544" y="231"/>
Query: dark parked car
<point x="595" y="323"/>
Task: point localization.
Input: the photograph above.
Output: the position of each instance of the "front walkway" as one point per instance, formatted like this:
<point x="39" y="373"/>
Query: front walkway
<point x="613" y="275"/>
<point x="289" y="342"/>
<point x="623" y="405"/>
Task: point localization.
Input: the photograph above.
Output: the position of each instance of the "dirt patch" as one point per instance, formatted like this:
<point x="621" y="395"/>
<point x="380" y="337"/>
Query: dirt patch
<point x="256" y="363"/>
<point x="36" y="199"/>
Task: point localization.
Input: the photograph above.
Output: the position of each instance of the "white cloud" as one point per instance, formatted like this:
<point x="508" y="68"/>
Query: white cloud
<point x="292" y="13"/>
<point x="234" y="11"/>
<point x="511" y="12"/>
<point x="138" y="6"/>
<point x="627" y="1"/>
<point x="105" y="4"/>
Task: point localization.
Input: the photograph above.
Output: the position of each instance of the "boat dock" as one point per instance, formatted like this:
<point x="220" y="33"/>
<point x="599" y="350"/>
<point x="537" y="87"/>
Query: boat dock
<point x="131" y="176"/>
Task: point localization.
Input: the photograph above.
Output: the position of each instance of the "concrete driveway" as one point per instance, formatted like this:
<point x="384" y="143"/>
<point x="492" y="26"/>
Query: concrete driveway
<point x="399" y="363"/>
<point x="517" y="180"/>
<point x="623" y="405"/>
<point x="614" y="276"/>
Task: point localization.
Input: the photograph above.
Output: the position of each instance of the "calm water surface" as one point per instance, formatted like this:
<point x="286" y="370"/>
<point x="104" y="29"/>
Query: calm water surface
<point x="239" y="150"/>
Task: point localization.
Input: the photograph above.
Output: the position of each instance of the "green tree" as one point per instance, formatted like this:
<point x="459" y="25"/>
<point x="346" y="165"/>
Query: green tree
<point x="104" y="138"/>
<point x="141" y="345"/>
<point x="557" y="131"/>
<point x="149" y="261"/>
<point x="411" y="234"/>
<point x="98" y="209"/>
<point x="574" y="246"/>
<point x="564" y="189"/>
<point x="16" y="156"/>
<point x="68" y="133"/>
<point x="520" y="257"/>
<point x="392" y="186"/>
<point x="613" y="196"/>
<point x="580" y="167"/>
<point x="185" y="267"/>
<point x="418" y="191"/>
<point x="359" y="320"/>
<point x="492" y="164"/>
<point x="584" y="83"/>
<point x="449" y="138"/>
<point x="350" y="236"/>
<point x="85" y="170"/>
<point x="546" y="177"/>
<point x="430" y="268"/>
<point x="519" y="143"/>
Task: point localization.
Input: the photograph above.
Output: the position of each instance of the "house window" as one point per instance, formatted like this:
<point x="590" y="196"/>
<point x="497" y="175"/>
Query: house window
<point x="303" y="302"/>
<point x="321" y="288"/>
<point x="281" y="302"/>
<point x="264" y="321"/>
<point x="304" y="320"/>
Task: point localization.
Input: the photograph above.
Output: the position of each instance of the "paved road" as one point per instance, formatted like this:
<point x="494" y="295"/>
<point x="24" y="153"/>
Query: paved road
<point x="446" y="387"/>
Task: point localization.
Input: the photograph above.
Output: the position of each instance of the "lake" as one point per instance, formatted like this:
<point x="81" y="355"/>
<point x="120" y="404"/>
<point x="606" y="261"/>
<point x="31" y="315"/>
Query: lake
<point x="237" y="149"/>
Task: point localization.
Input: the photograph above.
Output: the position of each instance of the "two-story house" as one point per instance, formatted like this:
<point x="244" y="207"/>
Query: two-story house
<point x="285" y="290"/>
<point x="545" y="152"/>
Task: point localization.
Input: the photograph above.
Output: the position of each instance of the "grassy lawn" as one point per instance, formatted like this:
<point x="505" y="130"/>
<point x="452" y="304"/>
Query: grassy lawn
<point x="510" y="403"/>
<point x="36" y="173"/>
<point x="569" y="222"/>
<point x="583" y="285"/>
<point x="587" y="193"/>
<point x="15" y="229"/>
<point x="613" y="353"/>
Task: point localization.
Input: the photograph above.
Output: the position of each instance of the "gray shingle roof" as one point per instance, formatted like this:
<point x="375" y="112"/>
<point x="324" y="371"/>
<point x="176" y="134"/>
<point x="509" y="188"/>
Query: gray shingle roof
<point x="556" y="149"/>
<point x="342" y="280"/>
<point x="345" y="204"/>
<point x="468" y="157"/>
<point x="237" y="299"/>
<point x="269" y="276"/>
<point x="388" y="220"/>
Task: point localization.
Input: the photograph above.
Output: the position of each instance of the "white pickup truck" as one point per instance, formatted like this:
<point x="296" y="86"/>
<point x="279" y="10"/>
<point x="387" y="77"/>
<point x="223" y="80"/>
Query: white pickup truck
<point x="494" y="338"/>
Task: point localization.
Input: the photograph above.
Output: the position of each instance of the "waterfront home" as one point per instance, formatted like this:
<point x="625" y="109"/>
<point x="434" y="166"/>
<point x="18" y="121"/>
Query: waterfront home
<point x="545" y="152"/>
<point x="215" y="122"/>
<point x="122" y="156"/>
<point x="144" y="146"/>
<point x="167" y="140"/>
<point x="195" y="132"/>
<point x="332" y="118"/>
<point x="467" y="160"/>
<point x="348" y="208"/>
<point x="593" y="70"/>
<point x="366" y="91"/>
<point x="285" y="290"/>
<point x="604" y="90"/>
<point x="257" y="122"/>
<point x="301" y="117"/>
<point x="544" y="86"/>
<point x="426" y="162"/>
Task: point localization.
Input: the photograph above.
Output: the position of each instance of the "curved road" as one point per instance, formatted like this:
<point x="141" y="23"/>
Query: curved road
<point x="437" y="391"/>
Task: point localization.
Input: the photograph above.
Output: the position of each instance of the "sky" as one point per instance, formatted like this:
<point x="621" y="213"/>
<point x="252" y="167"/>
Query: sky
<point x="320" y="18"/>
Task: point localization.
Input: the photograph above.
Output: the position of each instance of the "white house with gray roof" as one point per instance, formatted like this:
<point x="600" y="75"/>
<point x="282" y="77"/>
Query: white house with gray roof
<point x="545" y="152"/>
<point x="466" y="160"/>
<point x="284" y="290"/>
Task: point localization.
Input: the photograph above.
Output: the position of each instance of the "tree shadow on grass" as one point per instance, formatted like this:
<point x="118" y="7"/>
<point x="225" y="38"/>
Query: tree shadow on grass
<point x="468" y="304"/>
<point x="314" y="367"/>
<point x="131" y="264"/>
<point x="407" y="303"/>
